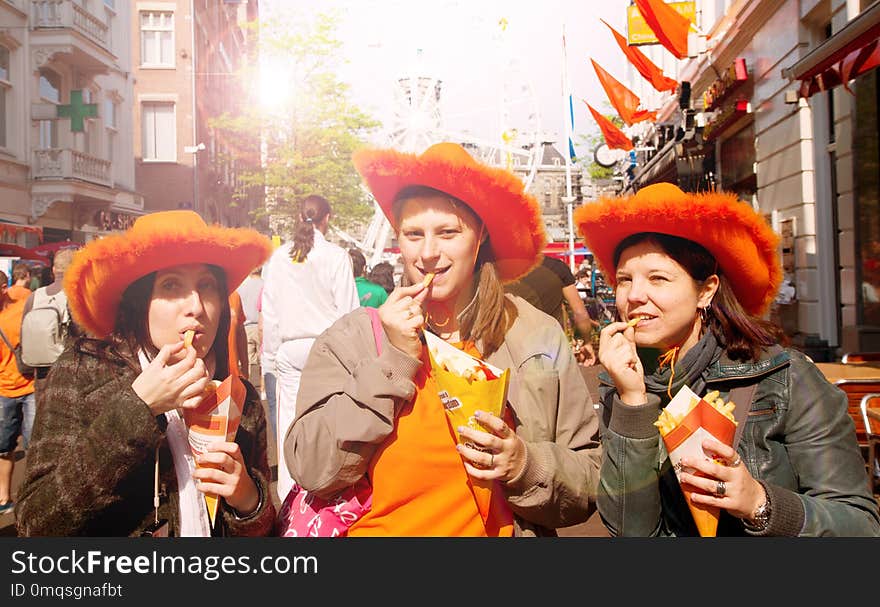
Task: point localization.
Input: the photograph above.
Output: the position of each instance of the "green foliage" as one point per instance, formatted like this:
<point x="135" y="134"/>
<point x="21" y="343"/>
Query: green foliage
<point x="310" y="131"/>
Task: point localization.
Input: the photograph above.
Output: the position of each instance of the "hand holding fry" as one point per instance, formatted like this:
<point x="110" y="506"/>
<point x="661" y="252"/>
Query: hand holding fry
<point x="165" y="385"/>
<point x="402" y="318"/>
<point x="617" y="352"/>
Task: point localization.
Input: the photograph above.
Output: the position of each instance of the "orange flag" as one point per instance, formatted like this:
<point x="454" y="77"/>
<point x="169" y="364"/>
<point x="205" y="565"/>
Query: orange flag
<point x="614" y="137"/>
<point x="670" y="27"/>
<point x="624" y="100"/>
<point x="645" y="66"/>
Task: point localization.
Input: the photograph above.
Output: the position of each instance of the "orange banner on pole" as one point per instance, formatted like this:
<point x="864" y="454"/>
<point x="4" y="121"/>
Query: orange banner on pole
<point x="614" y="137"/>
<point x="645" y="66"/>
<point x="670" y="27"/>
<point x="624" y="100"/>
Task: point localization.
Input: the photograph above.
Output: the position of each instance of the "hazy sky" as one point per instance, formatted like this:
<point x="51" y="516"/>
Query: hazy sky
<point x="485" y="69"/>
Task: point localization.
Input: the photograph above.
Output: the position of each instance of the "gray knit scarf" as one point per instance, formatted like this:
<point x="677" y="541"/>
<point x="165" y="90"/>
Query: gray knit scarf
<point x="688" y="370"/>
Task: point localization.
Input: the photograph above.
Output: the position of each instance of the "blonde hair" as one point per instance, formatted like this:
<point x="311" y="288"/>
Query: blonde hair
<point x="62" y="260"/>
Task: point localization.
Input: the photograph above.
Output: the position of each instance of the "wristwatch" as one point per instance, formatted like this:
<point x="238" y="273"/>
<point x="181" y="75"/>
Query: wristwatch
<point x="760" y="519"/>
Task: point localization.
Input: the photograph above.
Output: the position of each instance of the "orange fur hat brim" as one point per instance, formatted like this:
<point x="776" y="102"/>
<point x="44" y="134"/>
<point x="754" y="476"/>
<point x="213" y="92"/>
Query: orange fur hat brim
<point x="511" y="216"/>
<point x="102" y="270"/>
<point x="741" y="241"/>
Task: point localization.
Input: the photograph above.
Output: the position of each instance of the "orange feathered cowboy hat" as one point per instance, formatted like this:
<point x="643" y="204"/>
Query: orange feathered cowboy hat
<point x="511" y="216"/>
<point x="741" y="241"/>
<point x="102" y="270"/>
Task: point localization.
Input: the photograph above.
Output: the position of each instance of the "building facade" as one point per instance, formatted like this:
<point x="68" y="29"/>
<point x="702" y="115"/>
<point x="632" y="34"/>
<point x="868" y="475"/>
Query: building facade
<point x="191" y="64"/>
<point x="66" y="163"/>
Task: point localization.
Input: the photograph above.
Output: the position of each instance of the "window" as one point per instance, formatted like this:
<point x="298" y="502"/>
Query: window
<point x="157" y="39"/>
<point x="50" y="90"/>
<point x="109" y="127"/>
<point x="159" y="142"/>
<point x="5" y="85"/>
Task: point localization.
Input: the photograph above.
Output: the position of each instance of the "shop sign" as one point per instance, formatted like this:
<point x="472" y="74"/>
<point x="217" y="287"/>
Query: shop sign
<point x="638" y="31"/>
<point x="731" y="79"/>
<point x="725" y="118"/>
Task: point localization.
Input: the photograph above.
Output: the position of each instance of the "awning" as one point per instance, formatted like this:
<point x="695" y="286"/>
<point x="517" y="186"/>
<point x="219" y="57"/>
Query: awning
<point x="845" y="55"/>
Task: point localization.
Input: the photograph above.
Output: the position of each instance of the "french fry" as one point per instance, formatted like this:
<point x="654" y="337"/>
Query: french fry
<point x="188" y="338"/>
<point x="633" y="322"/>
<point x="427" y="279"/>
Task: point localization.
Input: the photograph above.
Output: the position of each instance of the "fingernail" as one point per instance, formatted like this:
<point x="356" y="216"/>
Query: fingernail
<point x="478" y="414"/>
<point x="460" y="429"/>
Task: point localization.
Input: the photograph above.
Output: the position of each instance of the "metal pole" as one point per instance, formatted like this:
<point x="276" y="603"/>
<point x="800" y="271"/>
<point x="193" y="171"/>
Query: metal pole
<point x="568" y="199"/>
<point x="195" y="128"/>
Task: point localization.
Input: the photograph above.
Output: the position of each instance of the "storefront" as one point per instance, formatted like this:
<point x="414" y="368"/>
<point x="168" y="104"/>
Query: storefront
<point x="840" y="82"/>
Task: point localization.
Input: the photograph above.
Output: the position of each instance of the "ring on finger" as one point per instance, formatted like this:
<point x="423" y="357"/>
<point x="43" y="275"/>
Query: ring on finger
<point x="735" y="462"/>
<point x="720" y="489"/>
<point x="491" y="460"/>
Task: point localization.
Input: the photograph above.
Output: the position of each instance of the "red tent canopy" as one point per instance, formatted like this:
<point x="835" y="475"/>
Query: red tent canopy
<point x="13" y="250"/>
<point x="48" y="249"/>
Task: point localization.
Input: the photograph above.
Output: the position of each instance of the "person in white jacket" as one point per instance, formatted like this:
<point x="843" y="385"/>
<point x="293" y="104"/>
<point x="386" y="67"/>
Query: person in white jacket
<point x="308" y="285"/>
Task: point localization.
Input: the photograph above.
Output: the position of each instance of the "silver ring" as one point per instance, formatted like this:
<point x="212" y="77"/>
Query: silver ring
<point x="720" y="489"/>
<point x="491" y="460"/>
<point x="736" y="462"/>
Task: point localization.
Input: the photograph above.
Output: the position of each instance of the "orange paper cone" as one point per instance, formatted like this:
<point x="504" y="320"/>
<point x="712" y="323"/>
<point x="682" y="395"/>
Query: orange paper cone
<point x="706" y="517"/>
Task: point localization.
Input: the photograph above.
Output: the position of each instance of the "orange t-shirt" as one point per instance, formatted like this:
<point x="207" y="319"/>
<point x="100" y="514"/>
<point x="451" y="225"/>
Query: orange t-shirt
<point x="420" y="485"/>
<point x="12" y="383"/>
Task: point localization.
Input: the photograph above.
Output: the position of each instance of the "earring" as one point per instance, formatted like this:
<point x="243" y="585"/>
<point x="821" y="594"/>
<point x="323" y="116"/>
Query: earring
<point x="704" y="315"/>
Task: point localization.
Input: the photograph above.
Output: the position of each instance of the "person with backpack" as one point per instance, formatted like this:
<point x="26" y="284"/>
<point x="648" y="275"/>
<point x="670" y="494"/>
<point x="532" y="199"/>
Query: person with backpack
<point x="46" y="322"/>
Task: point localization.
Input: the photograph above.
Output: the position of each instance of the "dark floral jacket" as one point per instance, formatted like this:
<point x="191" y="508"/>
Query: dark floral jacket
<point x="91" y="459"/>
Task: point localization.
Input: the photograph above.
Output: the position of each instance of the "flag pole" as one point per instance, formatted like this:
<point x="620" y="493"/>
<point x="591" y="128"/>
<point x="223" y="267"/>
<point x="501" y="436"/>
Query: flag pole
<point x="568" y="199"/>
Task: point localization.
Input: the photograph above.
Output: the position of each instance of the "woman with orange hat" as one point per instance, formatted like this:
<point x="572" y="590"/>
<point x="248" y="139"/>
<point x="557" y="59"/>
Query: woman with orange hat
<point x="110" y="454"/>
<point x="463" y="229"/>
<point x="693" y="274"/>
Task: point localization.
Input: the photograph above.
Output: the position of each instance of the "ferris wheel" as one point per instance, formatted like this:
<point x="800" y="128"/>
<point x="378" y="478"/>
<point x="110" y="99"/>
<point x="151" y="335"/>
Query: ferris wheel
<point x="502" y="130"/>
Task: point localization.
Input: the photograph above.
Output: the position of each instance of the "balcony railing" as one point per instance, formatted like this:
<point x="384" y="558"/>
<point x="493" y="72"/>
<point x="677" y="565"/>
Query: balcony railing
<point x="71" y="164"/>
<point x="66" y="14"/>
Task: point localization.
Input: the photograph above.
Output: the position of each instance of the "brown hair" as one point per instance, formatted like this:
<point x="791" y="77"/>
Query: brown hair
<point x="20" y="271"/>
<point x="741" y="334"/>
<point x="312" y="210"/>
<point x="488" y="317"/>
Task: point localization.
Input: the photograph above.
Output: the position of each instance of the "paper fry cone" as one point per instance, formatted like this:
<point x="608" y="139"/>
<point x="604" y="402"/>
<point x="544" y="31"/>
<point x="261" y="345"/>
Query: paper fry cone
<point x="706" y="517"/>
<point x="698" y="420"/>
<point x="216" y="419"/>
<point x="461" y="393"/>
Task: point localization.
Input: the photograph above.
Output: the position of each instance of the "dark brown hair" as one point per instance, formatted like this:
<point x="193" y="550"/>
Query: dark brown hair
<point x="488" y="317"/>
<point x="132" y="328"/>
<point x="312" y="210"/>
<point x="742" y="335"/>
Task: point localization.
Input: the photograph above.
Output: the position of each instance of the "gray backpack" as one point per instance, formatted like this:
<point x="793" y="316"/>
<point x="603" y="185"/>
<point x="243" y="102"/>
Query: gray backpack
<point x="44" y="329"/>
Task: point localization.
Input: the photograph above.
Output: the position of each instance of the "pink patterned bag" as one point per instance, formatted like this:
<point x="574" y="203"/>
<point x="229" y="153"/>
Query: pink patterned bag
<point x="306" y="515"/>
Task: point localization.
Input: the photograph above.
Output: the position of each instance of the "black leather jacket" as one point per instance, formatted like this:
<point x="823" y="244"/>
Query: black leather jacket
<point x="799" y="442"/>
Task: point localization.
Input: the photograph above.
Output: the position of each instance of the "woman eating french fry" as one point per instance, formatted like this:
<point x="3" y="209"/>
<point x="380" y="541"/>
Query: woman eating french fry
<point x="526" y="468"/>
<point x="112" y="453"/>
<point x="693" y="273"/>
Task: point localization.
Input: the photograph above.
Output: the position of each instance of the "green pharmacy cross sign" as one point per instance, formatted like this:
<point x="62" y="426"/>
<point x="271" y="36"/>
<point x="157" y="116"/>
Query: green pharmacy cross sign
<point x="77" y="111"/>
